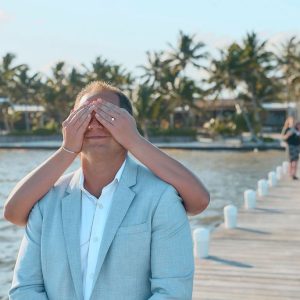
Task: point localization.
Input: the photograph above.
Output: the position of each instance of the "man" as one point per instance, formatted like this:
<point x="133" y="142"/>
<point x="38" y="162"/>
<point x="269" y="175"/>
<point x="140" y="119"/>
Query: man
<point x="111" y="230"/>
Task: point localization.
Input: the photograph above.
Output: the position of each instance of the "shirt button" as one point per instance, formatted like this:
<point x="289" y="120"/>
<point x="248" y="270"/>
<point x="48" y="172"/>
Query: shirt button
<point x="92" y="275"/>
<point x="99" y="205"/>
<point x="96" y="239"/>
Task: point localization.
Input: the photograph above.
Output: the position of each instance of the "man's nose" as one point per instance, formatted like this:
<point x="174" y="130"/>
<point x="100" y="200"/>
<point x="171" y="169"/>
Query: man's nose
<point x="94" y="123"/>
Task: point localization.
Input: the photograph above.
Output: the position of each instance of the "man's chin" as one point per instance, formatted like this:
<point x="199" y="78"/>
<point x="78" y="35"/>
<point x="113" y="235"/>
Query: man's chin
<point x="92" y="138"/>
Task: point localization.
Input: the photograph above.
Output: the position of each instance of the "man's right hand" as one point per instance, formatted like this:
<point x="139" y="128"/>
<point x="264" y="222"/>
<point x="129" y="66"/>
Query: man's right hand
<point x="74" y="127"/>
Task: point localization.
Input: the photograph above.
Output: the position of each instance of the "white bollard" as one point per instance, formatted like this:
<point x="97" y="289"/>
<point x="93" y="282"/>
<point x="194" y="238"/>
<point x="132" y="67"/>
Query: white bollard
<point x="262" y="187"/>
<point x="272" y="179"/>
<point x="230" y="215"/>
<point x="201" y="242"/>
<point x="285" y="167"/>
<point x="250" y="199"/>
<point x="278" y="173"/>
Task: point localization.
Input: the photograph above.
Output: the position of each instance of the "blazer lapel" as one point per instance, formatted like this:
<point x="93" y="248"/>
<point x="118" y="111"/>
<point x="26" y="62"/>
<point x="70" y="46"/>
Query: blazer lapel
<point x="71" y="217"/>
<point x="121" y="201"/>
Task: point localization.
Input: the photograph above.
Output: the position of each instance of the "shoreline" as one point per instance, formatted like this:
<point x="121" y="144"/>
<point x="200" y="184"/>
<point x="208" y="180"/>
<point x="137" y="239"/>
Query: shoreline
<point x="167" y="146"/>
<point x="232" y="144"/>
<point x="54" y="145"/>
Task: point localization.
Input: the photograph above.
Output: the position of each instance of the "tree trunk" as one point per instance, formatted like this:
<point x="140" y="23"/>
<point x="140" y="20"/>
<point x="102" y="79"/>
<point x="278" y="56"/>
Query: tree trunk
<point x="255" y="110"/>
<point x="248" y="123"/>
<point x="27" y="120"/>
<point x="27" y="125"/>
<point x="5" y="119"/>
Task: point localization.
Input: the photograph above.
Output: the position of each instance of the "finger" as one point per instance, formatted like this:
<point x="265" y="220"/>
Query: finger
<point x="83" y="124"/>
<point x="109" y="113"/>
<point x="110" y="106"/>
<point x="80" y="113"/>
<point x="104" y="119"/>
<point x="73" y="113"/>
<point x="86" y="114"/>
<point x="110" y="110"/>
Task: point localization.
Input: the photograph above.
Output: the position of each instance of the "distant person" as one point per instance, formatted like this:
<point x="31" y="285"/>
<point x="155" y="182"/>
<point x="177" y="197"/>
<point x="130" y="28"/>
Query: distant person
<point x="112" y="229"/>
<point x="291" y="135"/>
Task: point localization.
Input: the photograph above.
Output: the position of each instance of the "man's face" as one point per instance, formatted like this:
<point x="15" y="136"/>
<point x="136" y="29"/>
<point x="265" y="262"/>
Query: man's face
<point x="97" y="137"/>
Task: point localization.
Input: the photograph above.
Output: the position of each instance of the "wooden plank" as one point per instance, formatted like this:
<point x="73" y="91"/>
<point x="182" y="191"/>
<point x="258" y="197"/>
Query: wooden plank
<point x="260" y="259"/>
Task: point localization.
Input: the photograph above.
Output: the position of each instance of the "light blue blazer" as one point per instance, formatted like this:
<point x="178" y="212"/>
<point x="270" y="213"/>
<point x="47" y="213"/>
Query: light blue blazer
<point x="146" y="251"/>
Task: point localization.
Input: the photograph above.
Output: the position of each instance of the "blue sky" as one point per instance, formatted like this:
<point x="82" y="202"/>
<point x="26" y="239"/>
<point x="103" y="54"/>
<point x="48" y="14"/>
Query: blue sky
<point x="41" y="33"/>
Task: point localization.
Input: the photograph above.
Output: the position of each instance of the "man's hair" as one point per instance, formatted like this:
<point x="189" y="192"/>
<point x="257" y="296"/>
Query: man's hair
<point x="99" y="86"/>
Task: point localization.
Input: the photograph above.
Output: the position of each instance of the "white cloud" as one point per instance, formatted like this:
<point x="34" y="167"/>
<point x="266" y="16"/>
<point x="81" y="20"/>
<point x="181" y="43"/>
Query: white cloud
<point x="46" y="68"/>
<point x="276" y="40"/>
<point x="4" y="17"/>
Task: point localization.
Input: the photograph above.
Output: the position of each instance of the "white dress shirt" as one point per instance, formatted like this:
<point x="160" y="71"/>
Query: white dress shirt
<point x="94" y="214"/>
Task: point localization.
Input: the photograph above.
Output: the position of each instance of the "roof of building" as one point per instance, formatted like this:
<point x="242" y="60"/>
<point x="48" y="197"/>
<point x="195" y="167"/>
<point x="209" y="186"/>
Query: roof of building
<point x="27" y="108"/>
<point x="4" y="100"/>
<point x="230" y="104"/>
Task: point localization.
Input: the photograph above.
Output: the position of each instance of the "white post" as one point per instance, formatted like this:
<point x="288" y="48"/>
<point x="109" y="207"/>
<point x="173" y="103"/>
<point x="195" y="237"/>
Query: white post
<point x="279" y="173"/>
<point x="230" y="215"/>
<point x="272" y="178"/>
<point x="262" y="187"/>
<point x="250" y="199"/>
<point x="285" y="167"/>
<point x="201" y="242"/>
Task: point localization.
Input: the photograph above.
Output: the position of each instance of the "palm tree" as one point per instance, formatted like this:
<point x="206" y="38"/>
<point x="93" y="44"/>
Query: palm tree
<point x="289" y="65"/>
<point x="27" y="88"/>
<point x="146" y="106"/>
<point x="247" y="70"/>
<point x="75" y="81"/>
<point x="56" y="93"/>
<point x="257" y="65"/>
<point x="225" y="75"/>
<point x="155" y="69"/>
<point x="187" y="52"/>
<point x="8" y="75"/>
<point x="102" y="69"/>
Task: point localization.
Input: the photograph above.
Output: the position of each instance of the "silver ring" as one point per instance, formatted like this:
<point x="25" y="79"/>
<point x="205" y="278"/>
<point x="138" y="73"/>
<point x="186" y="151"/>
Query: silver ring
<point x="112" y="119"/>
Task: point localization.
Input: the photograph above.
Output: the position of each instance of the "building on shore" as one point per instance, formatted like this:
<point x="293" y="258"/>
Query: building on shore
<point x="17" y="115"/>
<point x="273" y="114"/>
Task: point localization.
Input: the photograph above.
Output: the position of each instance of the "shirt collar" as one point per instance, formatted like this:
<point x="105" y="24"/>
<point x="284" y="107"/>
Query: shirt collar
<point x="116" y="178"/>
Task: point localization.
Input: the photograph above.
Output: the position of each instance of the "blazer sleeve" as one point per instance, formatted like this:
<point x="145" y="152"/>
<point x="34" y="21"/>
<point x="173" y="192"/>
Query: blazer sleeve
<point x="172" y="262"/>
<point x="28" y="278"/>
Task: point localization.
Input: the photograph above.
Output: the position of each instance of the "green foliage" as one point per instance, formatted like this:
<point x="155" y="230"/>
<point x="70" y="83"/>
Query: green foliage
<point x="247" y="69"/>
<point x="44" y="131"/>
<point x="50" y="128"/>
<point x="268" y="139"/>
<point x="240" y="123"/>
<point x="221" y="127"/>
<point x="173" y="132"/>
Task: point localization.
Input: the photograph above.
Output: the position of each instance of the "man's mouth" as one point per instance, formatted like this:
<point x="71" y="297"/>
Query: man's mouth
<point x="96" y="136"/>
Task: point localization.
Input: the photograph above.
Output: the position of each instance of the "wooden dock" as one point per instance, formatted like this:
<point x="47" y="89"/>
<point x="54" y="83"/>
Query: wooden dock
<point x="260" y="259"/>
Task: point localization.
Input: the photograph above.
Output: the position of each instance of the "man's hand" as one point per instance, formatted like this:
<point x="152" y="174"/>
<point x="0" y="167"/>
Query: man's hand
<point x="74" y="127"/>
<point x="118" y="122"/>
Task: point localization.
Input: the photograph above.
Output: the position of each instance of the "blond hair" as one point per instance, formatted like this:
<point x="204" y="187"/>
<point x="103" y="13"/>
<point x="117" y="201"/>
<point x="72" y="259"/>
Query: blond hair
<point x="100" y="86"/>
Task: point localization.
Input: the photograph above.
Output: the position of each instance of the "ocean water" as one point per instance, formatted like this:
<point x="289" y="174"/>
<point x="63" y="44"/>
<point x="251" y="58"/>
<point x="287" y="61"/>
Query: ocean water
<point x="226" y="175"/>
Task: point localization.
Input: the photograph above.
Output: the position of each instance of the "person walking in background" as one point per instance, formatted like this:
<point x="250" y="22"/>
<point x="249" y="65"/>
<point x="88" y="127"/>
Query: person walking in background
<point x="112" y="229"/>
<point x="291" y="135"/>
